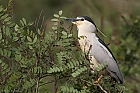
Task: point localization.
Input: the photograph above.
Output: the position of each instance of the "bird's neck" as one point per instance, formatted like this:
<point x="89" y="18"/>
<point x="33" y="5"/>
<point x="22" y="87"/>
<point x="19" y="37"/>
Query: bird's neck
<point x="86" y="33"/>
<point x="85" y="30"/>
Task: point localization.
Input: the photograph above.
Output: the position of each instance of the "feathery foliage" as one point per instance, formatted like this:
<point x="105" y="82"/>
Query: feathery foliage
<point x="31" y="58"/>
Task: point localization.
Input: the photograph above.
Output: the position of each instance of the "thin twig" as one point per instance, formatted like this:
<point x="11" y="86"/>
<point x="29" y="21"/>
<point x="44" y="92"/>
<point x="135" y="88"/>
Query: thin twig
<point x="43" y="19"/>
<point x="38" y="78"/>
<point x="35" y="23"/>
<point x="43" y="31"/>
<point x="38" y="19"/>
<point x="100" y="87"/>
<point x="73" y="12"/>
<point x="55" y="86"/>
<point x="124" y="19"/>
<point x="10" y="8"/>
<point x="71" y="27"/>
<point x="37" y="85"/>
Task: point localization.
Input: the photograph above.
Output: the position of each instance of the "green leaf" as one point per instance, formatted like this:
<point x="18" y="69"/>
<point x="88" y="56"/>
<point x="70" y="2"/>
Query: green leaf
<point x="24" y="66"/>
<point x="39" y="32"/>
<point x="30" y="33"/>
<point x="35" y="39"/>
<point x="62" y="17"/>
<point x="54" y="28"/>
<point x="26" y="85"/>
<point x="30" y="47"/>
<point x="35" y="69"/>
<point x="9" y="53"/>
<point x="8" y="31"/>
<point x="9" y="23"/>
<point x="50" y="70"/>
<point x="24" y="21"/>
<point x="55" y="23"/>
<point x="12" y="24"/>
<point x="0" y="61"/>
<point x="18" y="57"/>
<point x="3" y="64"/>
<point x="60" y="12"/>
<point x="61" y="68"/>
<point x="15" y="38"/>
<point x="8" y="70"/>
<point x="16" y="27"/>
<point x="56" y="15"/>
<point x="71" y="65"/>
<point x="74" y="74"/>
<point x="1" y="51"/>
<point x="70" y="35"/>
<point x="30" y="23"/>
<point x="54" y="20"/>
<point x="64" y="33"/>
<point x="7" y="19"/>
<point x="68" y="65"/>
<point x="1" y="8"/>
<point x="74" y="63"/>
<point x="64" y="36"/>
<point x="4" y="16"/>
<point x="0" y="35"/>
<point x="32" y="81"/>
<point x="5" y="52"/>
<point x="29" y="39"/>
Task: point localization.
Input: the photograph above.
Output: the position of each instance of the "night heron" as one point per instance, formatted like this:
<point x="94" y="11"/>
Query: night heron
<point x="99" y="51"/>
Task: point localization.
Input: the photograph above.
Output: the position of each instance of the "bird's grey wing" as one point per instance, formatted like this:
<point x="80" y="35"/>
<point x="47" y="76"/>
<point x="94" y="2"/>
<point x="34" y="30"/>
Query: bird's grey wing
<point x="103" y="54"/>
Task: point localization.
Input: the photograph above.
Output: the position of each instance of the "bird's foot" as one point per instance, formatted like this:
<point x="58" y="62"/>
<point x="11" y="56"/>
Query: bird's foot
<point x="97" y="81"/>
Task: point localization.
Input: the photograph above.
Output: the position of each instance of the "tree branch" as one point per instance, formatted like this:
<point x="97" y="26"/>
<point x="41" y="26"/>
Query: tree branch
<point x="55" y="86"/>
<point x="100" y="87"/>
<point x="95" y="85"/>
<point x="37" y="85"/>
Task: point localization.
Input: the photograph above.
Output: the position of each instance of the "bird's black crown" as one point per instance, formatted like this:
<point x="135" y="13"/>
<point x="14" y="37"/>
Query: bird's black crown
<point x="88" y="19"/>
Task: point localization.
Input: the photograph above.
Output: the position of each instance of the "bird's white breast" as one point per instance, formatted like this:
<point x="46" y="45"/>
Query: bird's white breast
<point x="86" y="41"/>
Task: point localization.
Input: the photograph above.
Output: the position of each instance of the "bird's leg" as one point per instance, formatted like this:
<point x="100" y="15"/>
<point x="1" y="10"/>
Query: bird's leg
<point x="97" y="81"/>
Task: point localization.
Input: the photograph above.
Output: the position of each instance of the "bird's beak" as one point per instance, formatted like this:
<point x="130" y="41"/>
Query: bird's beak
<point x="72" y="19"/>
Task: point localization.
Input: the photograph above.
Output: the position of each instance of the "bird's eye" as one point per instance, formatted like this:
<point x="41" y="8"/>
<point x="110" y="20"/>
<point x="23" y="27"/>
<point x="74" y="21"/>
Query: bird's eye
<point x="82" y="19"/>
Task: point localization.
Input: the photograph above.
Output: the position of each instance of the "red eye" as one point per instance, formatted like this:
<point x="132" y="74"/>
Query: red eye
<point x="82" y="19"/>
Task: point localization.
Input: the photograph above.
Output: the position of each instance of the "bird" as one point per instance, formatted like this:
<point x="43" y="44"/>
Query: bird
<point x="98" y="50"/>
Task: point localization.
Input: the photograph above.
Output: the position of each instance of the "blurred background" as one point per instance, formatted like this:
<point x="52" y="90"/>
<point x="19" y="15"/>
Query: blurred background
<point x="106" y="14"/>
<point x="118" y="19"/>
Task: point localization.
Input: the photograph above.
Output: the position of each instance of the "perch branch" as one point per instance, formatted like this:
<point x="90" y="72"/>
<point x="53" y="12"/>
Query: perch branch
<point x="95" y="85"/>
